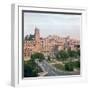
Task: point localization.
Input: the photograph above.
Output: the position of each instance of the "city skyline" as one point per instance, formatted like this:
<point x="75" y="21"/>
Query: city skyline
<point x="51" y="56"/>
<point x="52" y="24"/>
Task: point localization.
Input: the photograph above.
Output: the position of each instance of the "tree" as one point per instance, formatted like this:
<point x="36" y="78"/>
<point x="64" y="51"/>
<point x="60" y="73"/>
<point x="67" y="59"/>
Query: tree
<point x="62" y="55"/>
<point x="78" y="52"/>
<point x="29" y="37"/>
<point x="30" y="69"/>
<point x="49" y="58"/>
<point x="69" y="66"/>
<point x="38" y="56"/>
<point x="71" y="53"/>
<point x="76" y="64"/>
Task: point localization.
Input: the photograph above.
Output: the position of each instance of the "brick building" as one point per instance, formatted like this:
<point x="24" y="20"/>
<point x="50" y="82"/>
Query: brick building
<point x="49" y="45"/>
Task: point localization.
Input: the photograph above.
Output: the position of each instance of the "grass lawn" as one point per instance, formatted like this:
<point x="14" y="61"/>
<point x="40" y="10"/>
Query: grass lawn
<point x="59" y="66"/>
<point x="51" y="61"/>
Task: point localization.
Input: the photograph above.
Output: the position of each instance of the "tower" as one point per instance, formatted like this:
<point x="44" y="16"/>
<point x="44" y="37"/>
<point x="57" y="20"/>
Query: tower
<point x="37" y="35"/>
<point x="66" y="45"/>
<point x="37" y="40"/>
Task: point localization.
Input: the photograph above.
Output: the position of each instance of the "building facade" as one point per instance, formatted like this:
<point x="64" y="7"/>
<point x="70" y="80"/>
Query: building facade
<point x="49" y="45"/>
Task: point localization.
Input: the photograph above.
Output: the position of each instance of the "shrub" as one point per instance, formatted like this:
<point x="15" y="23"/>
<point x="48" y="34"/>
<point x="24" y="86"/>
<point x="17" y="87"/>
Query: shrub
<point x="39" y="56"/>
<point x="77" y="64"/>
<point x="62" y="55"/>
<point x="59" y="66"/>
<point x="69" y="66"/>
<point x="30" y="69"/>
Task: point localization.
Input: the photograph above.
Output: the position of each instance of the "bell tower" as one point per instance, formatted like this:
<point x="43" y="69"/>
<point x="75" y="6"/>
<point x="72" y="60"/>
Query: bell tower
<point x="37" y="35"/>
<point x="37" y="40"/>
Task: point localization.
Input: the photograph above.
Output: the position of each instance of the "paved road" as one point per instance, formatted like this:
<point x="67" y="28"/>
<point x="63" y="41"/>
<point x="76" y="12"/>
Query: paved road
<point x="52" y="71"/>
<point x="48" y="69"/>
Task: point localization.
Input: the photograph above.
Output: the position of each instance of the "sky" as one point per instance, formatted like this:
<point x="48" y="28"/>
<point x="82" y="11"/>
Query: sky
<point x="52" y="24"/>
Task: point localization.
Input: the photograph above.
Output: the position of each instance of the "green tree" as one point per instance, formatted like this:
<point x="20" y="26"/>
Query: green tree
<point x="62" y="55"/>
<point x="30" y="69"/>
<point x="74" y="54"/>
<point x="69" y="66"/>
<point x="49" y="58"/>
<point x="38" y="56"/>
<point x="78" y="52"/>
<point x="31" y="37"/>
<point x="76" y="64"/>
